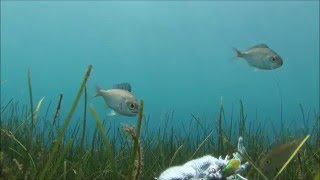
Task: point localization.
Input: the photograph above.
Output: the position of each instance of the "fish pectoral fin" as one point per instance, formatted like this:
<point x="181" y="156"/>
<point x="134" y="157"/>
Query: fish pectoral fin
<point x="112" y="113"/>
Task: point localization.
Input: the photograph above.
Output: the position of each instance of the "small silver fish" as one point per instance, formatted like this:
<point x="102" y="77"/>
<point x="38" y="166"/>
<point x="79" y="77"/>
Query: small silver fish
<point x="120" y="100"/>
<point x="260" y="56"/>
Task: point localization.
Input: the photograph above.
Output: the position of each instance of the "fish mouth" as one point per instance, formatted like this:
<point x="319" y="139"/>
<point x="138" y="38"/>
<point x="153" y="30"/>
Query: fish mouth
<point x="135" y="111"/>
<point x="276" y="65"/>
<point x="280" y="62"/>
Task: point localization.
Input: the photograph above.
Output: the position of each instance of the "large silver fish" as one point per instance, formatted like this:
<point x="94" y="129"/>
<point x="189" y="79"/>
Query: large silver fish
<point x="260" y="56"/>
<point x="120" y="100"/>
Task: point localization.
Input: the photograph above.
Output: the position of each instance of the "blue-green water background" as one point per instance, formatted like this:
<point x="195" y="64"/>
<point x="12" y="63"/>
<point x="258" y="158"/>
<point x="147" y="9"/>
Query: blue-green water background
<point x="176" y="55"/>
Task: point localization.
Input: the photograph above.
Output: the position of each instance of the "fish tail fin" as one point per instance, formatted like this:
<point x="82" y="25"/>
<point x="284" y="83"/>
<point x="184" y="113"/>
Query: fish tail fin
<point x="98" y="91"/>
<point x="237" y="53"/>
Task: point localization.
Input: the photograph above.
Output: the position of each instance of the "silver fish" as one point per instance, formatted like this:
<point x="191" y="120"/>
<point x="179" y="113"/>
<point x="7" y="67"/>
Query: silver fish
<point x="260" y="56"/>
<point x="120" y="100"/>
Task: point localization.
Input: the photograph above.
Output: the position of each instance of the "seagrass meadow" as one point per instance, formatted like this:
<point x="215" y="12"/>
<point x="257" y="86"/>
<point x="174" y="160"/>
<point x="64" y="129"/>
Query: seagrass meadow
<point x="58" y="151"/>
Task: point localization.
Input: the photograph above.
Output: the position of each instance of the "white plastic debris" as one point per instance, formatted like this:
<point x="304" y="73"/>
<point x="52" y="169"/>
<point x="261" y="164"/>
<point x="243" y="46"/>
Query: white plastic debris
<point x="209" y="168"/>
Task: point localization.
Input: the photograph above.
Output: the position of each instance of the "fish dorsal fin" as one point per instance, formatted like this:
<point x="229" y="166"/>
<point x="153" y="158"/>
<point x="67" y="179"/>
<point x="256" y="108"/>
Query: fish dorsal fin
<point x="259" y="46"/>
<point x="285" y="147"/>
<point x="123" y="86"/>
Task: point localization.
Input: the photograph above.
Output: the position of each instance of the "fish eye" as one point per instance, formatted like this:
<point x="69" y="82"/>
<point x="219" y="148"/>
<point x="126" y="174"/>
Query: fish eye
<point x="267" y="161"/>
<point x="273" y="59"/>
<point x="132" y="106"/>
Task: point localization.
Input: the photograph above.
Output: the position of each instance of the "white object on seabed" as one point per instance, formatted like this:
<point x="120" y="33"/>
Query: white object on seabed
<point x="208" y="168"/>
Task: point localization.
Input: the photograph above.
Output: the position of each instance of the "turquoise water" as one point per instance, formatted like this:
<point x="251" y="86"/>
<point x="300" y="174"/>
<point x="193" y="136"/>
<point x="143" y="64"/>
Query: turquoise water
<point x="176" y="55"/>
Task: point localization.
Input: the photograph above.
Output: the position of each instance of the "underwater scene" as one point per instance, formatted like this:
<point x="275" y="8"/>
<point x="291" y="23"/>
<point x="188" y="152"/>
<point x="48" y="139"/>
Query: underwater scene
<point x="167" y="90"/>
